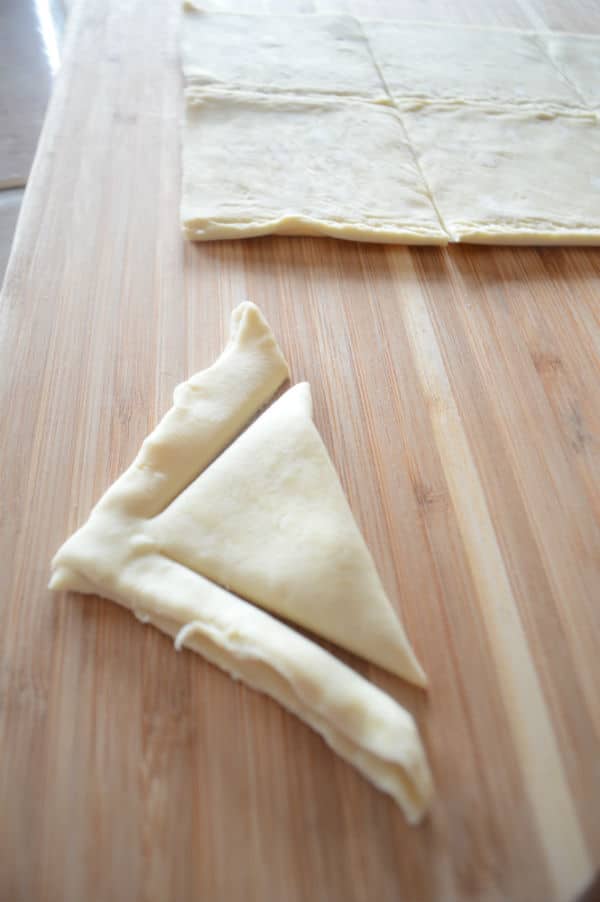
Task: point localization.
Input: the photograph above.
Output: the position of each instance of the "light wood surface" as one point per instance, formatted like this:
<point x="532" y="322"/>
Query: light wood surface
<point x="458" y="393"/>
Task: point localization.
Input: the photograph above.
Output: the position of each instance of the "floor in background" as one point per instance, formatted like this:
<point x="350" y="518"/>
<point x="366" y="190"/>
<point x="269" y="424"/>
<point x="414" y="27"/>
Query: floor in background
<point x="10" y="203"/>
<point x="30" y="38"/>
<point x="29" y="55"/>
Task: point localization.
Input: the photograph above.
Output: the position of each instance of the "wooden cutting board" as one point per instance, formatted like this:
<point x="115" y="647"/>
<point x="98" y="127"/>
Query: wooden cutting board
<point x="458" y="393"/>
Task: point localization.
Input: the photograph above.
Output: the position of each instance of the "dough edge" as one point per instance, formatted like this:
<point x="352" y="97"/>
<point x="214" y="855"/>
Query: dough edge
<point x="200" y="229"/>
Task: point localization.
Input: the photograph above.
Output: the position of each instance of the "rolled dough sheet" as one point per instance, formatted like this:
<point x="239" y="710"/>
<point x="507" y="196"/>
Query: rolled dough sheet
<point x="578" y="58"/>
<point x="315" y="54"/>
<point x="298" y="125"/>
<point x="426" y="62"/>
<point x="254" y="164"/>
<point x="511" y="177"/>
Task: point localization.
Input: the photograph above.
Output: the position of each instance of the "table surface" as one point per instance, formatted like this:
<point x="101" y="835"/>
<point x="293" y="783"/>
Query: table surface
<point x="457" y="391"/>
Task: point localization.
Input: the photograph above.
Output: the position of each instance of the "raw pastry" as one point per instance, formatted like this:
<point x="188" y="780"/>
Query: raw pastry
<point x="510" y="177"/>
<point x="270" y="521"/>
<point x="577" y="56"/>
<point x="459" y="63"/>
<point x="331" y="125"/>
<point x="254" y="164"/>
<point x="316" y="54"/>
<point x="148" y="545"/>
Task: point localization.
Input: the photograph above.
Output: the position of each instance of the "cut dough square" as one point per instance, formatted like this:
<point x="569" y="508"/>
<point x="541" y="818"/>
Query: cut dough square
<point x="421" y="62"/>
<point x="311" y="54"/>
<point x="511" y="178"/>
<point x="254" y="164"/>
<point x="577" y="56"/>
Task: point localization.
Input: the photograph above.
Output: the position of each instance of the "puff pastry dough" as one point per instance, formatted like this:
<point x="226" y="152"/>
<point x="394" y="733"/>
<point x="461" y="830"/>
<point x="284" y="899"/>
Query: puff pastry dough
<point x="254" y="164"/>
<point x="423" y="62"/>
<point x="577" y="57"/>
<point x="331" y="125"/>
<point x="268" y="520"/>
<point x="466" y="156"/>
<point x="279" y="54"/>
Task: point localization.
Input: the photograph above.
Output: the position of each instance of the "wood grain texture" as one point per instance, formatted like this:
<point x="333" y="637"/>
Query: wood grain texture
<point x="457" y="391"/>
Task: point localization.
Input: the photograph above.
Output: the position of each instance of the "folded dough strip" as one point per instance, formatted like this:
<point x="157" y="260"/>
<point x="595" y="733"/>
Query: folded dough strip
<point x="209" y="410"/>
<point x="360" y="722"/>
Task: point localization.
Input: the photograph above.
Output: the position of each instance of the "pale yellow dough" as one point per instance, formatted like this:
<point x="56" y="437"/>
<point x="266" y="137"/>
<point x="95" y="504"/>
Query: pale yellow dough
<point x="424" y="62"/>
<point x="547" y="167"/>
<point x="303" y="54"/>
<point x="577" y="57"/>
<point x="254" y="164"/>
<point x="333" y="125"/>
<point x="267" y="520"/>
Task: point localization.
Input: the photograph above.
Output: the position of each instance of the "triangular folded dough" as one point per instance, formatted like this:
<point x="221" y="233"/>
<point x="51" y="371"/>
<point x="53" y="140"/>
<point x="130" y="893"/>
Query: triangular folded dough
<point x="123" y="552"/>
<point x="269" y="520"/>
